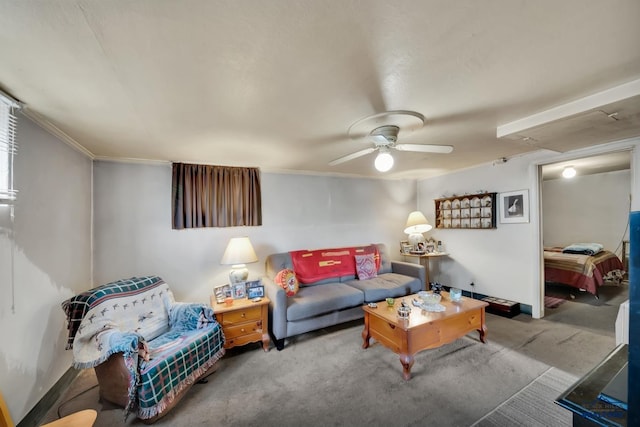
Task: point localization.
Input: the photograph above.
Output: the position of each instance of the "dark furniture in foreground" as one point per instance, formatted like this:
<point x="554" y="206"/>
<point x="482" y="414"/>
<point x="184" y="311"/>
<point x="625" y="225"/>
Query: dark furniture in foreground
<point x="585" y="397"/>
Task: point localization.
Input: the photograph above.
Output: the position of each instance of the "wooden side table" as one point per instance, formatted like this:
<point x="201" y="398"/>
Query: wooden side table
<point x="243" y="322"/>
<point x="424" y="261"/>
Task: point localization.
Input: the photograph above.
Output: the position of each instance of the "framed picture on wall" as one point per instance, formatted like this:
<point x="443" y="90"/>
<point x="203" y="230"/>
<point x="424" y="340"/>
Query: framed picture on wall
<point x="514" y="207"/>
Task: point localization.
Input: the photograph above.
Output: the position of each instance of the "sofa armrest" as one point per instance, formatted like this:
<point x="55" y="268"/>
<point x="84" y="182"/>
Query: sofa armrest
<point x="277" y="308"/>
<point x="409" y="269"/>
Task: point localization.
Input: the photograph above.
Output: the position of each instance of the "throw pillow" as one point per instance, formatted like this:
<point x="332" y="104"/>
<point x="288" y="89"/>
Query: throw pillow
<point x="366" y="266"/>
<point x="287" y="280"/>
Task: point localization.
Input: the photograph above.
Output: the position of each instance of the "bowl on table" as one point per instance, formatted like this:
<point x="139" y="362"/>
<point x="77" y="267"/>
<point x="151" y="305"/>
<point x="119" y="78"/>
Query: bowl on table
<point x="429" y="297"/>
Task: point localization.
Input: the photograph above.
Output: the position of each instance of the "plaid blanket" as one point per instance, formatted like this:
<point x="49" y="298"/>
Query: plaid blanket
<point x="177" y="359"/>
<point x="166" y="345"/>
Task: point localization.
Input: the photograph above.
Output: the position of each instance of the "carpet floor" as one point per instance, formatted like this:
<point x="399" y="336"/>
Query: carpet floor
<point x="607" y="292"/>
<point x="326" y="378"/>
<point x="534" y="405"/>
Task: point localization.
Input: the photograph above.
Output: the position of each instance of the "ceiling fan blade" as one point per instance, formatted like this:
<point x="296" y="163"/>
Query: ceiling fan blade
<point x="425" y="148"/>
<point x="352" y="156"/>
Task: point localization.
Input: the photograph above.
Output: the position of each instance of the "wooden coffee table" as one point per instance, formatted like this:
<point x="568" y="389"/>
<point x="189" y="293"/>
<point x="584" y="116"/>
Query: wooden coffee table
<point x="422" y="330"/>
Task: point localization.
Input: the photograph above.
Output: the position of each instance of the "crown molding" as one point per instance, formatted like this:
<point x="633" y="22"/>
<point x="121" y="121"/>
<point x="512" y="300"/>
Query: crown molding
<point x="45" y="124"/>
<point x="131" y="160"/>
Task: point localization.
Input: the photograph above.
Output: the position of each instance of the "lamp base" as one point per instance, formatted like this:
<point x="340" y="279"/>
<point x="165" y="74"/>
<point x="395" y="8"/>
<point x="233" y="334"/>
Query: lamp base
<point x="415" y="238"/>
<point x="239" y="273"/>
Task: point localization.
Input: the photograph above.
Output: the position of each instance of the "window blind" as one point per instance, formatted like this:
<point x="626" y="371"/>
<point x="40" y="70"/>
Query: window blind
<point x="8" y="147"/>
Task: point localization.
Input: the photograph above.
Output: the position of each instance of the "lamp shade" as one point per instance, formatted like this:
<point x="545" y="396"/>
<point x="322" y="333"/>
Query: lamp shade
<point x="239" y="251"/>
<point x="417" y="223"/>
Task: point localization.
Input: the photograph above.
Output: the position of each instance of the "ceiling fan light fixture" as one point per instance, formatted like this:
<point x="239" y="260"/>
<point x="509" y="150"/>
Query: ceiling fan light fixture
<point x="384" y="137"/>
<point x="569" y="172"/>
<point x="384" y="160"/>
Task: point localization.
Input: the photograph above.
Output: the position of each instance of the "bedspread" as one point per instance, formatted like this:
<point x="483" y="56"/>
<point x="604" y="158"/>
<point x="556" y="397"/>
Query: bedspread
<point x="580" y="271"/>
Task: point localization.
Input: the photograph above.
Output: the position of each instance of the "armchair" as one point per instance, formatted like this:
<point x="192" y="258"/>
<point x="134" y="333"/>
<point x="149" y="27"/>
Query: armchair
<point x="139" y="340"/>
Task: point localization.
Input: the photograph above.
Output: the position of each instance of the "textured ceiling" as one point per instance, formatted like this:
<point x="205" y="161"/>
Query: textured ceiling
<point x="277" y="84"/>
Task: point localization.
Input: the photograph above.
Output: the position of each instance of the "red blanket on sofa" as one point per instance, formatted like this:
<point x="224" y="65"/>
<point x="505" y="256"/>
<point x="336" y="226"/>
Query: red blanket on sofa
<point x="320" y="264"/>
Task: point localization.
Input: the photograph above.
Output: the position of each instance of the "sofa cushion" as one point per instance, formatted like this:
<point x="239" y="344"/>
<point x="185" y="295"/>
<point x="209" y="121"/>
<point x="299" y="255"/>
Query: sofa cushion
<point x="287" y="280"/>
<point x="316" y="300"/>
<point x="366" y="266"/>
<point x="386" y="285"/>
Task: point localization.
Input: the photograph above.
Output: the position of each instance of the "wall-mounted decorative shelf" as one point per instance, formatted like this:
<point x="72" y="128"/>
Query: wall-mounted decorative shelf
<point x="471" y="211"/>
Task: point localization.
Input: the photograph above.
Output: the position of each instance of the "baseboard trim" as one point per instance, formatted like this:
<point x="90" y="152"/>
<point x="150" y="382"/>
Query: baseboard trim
<point x="38" y="412"/>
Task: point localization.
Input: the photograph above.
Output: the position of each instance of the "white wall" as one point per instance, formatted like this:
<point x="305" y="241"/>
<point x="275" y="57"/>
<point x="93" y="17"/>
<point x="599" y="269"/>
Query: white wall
<point x="596" y="206"/>
<point x="133" y="234"/>
<point x="493" y="259"/>
<point x="45" y="258"/>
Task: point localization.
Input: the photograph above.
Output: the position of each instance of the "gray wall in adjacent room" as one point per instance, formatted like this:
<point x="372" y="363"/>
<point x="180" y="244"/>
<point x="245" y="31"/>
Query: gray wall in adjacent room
<point x="596" y="206"/>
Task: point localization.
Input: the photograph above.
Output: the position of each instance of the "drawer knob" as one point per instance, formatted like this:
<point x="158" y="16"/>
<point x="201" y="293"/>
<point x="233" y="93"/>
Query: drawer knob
<point x="242" y="330"/>
<point x="244" y="315"/>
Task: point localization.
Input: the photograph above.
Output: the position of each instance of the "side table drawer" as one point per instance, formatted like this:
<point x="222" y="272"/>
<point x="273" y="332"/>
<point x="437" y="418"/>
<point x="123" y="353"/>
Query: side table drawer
<point x="242" y="315"/>
<point x="242" y="329"/>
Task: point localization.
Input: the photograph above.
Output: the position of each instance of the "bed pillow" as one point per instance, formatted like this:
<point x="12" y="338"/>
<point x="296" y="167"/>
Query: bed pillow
<point x="287" y="280"/>
<point x="366" y="266"/>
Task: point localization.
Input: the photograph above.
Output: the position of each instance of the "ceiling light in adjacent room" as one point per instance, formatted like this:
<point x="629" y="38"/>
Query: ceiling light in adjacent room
<point x="384" y="160"/>
<point x="569" y="172"/>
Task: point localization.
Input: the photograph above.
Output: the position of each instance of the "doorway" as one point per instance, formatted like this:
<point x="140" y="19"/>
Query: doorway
<point x="589" y="210"/>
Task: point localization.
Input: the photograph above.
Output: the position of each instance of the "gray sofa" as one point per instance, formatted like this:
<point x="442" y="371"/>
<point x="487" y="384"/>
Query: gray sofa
<point x="332" y="301"/>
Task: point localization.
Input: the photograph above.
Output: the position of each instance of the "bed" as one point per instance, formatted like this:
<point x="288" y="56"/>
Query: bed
<point x="586" y="272"/>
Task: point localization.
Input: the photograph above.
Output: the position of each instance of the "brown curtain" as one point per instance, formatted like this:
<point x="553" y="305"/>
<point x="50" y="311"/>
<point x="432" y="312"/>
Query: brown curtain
<point x="215" y="196"/>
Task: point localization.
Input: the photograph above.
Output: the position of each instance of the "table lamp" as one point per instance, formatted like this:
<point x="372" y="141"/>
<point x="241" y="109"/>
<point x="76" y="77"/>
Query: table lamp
<point x="238" y="253"/>
<point x="416" y="225"/>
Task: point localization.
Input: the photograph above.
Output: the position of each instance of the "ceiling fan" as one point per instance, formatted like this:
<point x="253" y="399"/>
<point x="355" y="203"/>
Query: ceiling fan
<point x="385" y="137"/>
